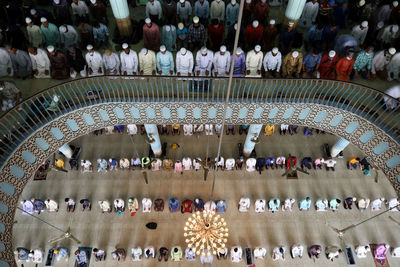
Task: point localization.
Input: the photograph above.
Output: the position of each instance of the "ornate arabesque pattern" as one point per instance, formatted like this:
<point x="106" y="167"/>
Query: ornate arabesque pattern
<point x="77" y="116"/>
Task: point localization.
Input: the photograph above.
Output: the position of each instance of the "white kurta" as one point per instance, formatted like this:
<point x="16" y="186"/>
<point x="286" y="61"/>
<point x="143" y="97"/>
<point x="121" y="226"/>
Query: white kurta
<point x="251" y="164"/>
<point x="309" y="14"/>
<point x="146" y="203"/>
<point x="260" y="205"/>
<point x="129" y="62"/>
<point x="230" y="164"/>
<point x="321" y="205"/>
<point x="131" y="129"/>
<point x="34" y="35"/>
<point x="362" y="252"/>
<point x="376" y="204"/>
<point x="95" y="63"/>
<point x="156" y="165"/>
<point x="254" y="63"/>
<point x="297" y="251"/>
<point x="272" y="63"/>
<point x="210" y="205"/>
<point x="387" y="36"/>
<point x="184" y="63"/>
<point x="136" y="253"/>
<point x="188" y="129"/>
<point x="204" y="63"/>
<point x="51" y="205"/>
<point x="187" y="164"/>
<point x="393" y="67"/>
<point x="359" y="34"/>
<point x="111" y="63"/>
<point x="244" y="204"/>
<point x="379" y="62"/>
<point x="393" y="203"/>
<point x="147" y="63"/>
<point x="104" y="205"/>
<point x="220" y="162"/>
<point x="277" y="254"/>
<point x="5" y="63"/>
<point x="119" y="204"/>
<point x="209" y="129"/>
<point x="70" y="38"/>
<point x="287" y="204"/>
<point x="41" y="63"/>
<point x="236" y="256"/>
<point x="221" y="64"/>
<point x="396" y="252"/>
<point x="196" y="164"/>
<point x="80" y="9"/>
<point x="259" y="253"/>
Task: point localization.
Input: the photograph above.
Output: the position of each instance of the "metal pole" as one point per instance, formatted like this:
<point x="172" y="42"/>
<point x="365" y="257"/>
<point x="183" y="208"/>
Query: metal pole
<point x="55" y="227"/>
<point x="239" y="23"/>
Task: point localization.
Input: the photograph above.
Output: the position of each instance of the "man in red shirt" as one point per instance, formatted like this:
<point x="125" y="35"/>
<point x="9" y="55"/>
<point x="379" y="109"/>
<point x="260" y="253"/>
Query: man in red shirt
<point x="327" y="66"/>
<point x="187" y="206"/>
<point x="253" y="34"/>
<point x="344" y="67"/>
<point x="291" y="162"/>
<point x="216" y="32"/>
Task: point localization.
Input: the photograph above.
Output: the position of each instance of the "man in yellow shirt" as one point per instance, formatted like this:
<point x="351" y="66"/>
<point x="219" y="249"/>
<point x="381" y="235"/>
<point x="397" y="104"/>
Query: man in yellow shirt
<point x="59" y="163"/>
<point x="176" y="129"/>
<point x="269" y="129"/>
<point x="353" y="163"/>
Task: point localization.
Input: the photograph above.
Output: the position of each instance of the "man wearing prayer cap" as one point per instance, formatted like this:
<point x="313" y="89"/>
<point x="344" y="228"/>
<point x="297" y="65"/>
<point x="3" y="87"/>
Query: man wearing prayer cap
<point x="359" y="32"/>
<point x="221" y="61"/>
<point x="286" y="38"/>
<point x="40" y="62"/>
<point x="393" y="68"/>
<point x="363" y="63"/>
<point x="165" y="62"/>
<point x="21" y="63"/>
<point x="254" y="61"/>
<point x="273" y="63"/>
<point x="50" y="33"/>
<point x="389" y="34"/>
<point x="309" y="15"/>
<point x="129" y="60"/>
<point x="380" y="63"/>
<point x="151" y="35"/>
<point x="217" y="10"/>
<point x="184" y="62"/>
<point x="68" y="36"/>
<point x="76" y="62"/>
<point x="184" y="10"/>
<point x="327" y="65"/>
<point x="269" y="35"/>
<point x="292" y="65"/>
<point x="98" y="10"/>
<point x="94" y="62"/>
<point x="154" y="10"/>
<point x="232" y="13"/>
<point x="204" y="60"/>
<point x="147" y="62"/>
<point x="202" y="10"/>
<point x="253" y="34"/>
<point x="58" y="64"/>
<point x="344" y="67"/>
<point x="61" y="12"/>
<point x="111" y="62"/>
<point x="239" y="68"/>
<point x="169" y="37"/>
<point x="196" y="34"/>
<point x="37" y="14"/>
<point x="34" y="33"/>
<point x="261" y="12"/>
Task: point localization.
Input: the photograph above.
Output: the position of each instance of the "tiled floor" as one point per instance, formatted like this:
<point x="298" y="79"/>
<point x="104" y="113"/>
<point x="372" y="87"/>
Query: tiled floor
<point x="246" y="229"/>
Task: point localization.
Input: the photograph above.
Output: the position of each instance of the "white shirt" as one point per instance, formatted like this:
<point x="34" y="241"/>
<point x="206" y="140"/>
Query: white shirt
<point x="260" y="205"/>
<point x="359" y="34"/>
<point x="51" y="205"/>
<point x="363" y="203"/>
<point x="379" y="62"/>
<point x="147" y="63"/>
<point x="236" y="256"/>
<point x="120" y="203"/>
<point x="396" y="252"/>
<point x="218" y="128"/>
<point x="297" y="251"/>
<point x="40" y="61"/>
<point x="310" y="13"/>
<point x="196" y="164"/>
<point x="156" y="165"/>
<point x="5" y="62"/>
<point x="187" y="129"/>
<point x="254" y="62"/>
<point x="210" y="205"/>
<point x="124" y="163"/>
<point x="184" y="63"/>
<point x="219" y="163"/>
<point x="278" y="255"/>
<point x="105" y="205"/>
<point x="146" y="203"/>
<point x="287" y="205"/>
<point x="393" y="203"/>
<point x="362" y="252"/>
<point x="37" y="256"/>
<point x="280" y="160"/>
<point x="153" y="8"/>
<point x="394" y="65"/>
<point x="209" y="129"/>
<point x="284" y="127"/>
<point x="272" y="62"/>
<point x="321" y="205"/>
<point x="136" y="253"/>
<point x="376" y="204"/>
<point x="330" y="163"/>
<point x="131" y="129"/>
<point x="251" y="164"/>
<point x="221" y="63"/>
<point x="80" y="9"/>
<point x="86" y="164"/>
<point x="204" y="63"/>
<point x="111" y="62"/>
<point x="244" y="204"/>
<point x="187" y="163"/>
<point x="94" y="61"/>
<point x="230" y="164"/>
<point x="129" y="62"/>
<point x="387" y="36"/>
<point x="259" y="253"/>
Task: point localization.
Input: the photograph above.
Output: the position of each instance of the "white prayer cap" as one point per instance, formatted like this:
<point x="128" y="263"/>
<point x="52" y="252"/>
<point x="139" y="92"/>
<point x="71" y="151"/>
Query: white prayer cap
<point x="143" y="51"/>
<point x="163" y="48"/>
<point x="50" y="48"/>
<point x="364" y="23"/>
<point x="180" y="26"/>
<point x="361" y="3"/>
<point x="233" y="2"/>
<point x="168" y="28"/>
<point x="33" y="11"/>
<point x="239" y="51"/>
<point x="147" y="20"/>
<point x="110" y="160"/>
<point x="204" y="50"/>
<point x="43" y="19"/>
<point x="295" y="54"/>
<point x="275" y="50"/>
<point x="89" y="47"/>
<point x="395" y="28"/>
<point x="332" y="53"/>
<point x="392" y="51"/>
<point x="56" y="2"/>
<point x="291" y="23"/>
<point x="183" y="51"/>
<point x="222" y="49"/>
<point x="196" y="19"/>
<point x="395" y="3"/>
<point x="257" y="48"/>
<point x="248" y="1"/>
<point x="255" y="23"/>
<point x="28" y="20"/>
<point x="272" y="21"/>
<point x="235" y="26"/>
<point x="380" y="24"/>
<point x="125" y="46"/>
<point x="182" y="1"/>
<point x="93" y="1"/>
<point x="63" y="28"/>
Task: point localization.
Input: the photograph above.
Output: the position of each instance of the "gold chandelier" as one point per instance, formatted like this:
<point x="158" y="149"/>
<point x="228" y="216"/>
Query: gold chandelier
<point x="206" y="231"/>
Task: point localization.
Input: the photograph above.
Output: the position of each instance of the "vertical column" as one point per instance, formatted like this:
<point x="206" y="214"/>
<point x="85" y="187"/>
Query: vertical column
<point x="66" y="150"/>
<point x="152" y="132"/>
<point x="293" y="11"/>
<point x="254" y="132"/>
<point x="120" y="10"/>
<point x="339" y="147"/>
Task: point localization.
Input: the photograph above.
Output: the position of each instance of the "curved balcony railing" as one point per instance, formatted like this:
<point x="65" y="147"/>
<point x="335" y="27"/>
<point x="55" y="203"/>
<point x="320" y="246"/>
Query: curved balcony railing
<point x="34" y="112"/>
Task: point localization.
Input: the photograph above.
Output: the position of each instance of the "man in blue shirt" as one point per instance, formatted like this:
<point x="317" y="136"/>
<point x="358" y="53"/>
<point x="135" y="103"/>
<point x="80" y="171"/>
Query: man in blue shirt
<point x="274" y="205"/>
<point x="270" y="163"/>
<point x="202" y="10"/>
<point x="198" y="204"/>
<point x="221" y="206"/>
<point x="112" y="164"/>
<point x="363" y="64"/>
<point x="310" y="64"/>
<point x="173" y="204"/>
<point x="100" y="34"/>
<point x="305" y="204"/>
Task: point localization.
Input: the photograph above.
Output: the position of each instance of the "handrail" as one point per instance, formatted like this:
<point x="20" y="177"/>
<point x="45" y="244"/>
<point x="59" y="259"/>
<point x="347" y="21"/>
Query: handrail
<point x="21" y="121"/>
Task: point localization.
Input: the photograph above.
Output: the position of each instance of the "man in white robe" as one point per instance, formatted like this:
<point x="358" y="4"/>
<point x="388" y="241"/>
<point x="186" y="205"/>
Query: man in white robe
<point x="321" y="205"/>
<point x="376" y="205"/>
<point x="309" y="14"/>
<point x="359" y="32"/>
<point x="230" y="164"/>
<point x="111" y="62"/>
<point x="136" y="254"/>
<point x="196" y="164"/>
<point x="131" y="129"/>
<point x="204" y="60"/>
<point x="105" y="206"/>
<point x="362" y="251"/>
<point x="221" y="62"/>
<point x="393" y="68"/>
<point x="6" y="68"/>
<point x="396" y="252"/>
<point x="129" y="61"/>
<point x="149" y="252"/>
<point x="40" y="62"/>
<point x="165" y="61"/>
<point x="219" y="162"/>
<point x="190" y="255"/>
<point x="381" y="60"/>
<point x="388" y="34"/>
<point x="86" y="166"/>
<point x="27" y="206"/>
<point x="273" y="62"/>
<point x="146" y="204"/>
<point x="288" y="204"/>
<point x="68" y="36"/>
<point x="187" y="163"/>
<point x="210" y="206"/>
<point x="260" y="205"/>
<point x="209" y="129"/>
<point x="244" y="204"/>
<point x="259" y="253"/>
<point x="34" y="33"/>
<point x="278" y="253"/>
<point x="184" y="62"/>
<point x="51" y="205"/>
<point x="251" y="164"/>
<point x="297" y="251"/>
<point x="94" y="62"/>
<point x="254" y="62"/>
<point x="147" y="62"/>
<point x="236" y="254"/>
<point x="188" y="129"/>
<point x="156" y="165"/>
<point x="393" y="204"/>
